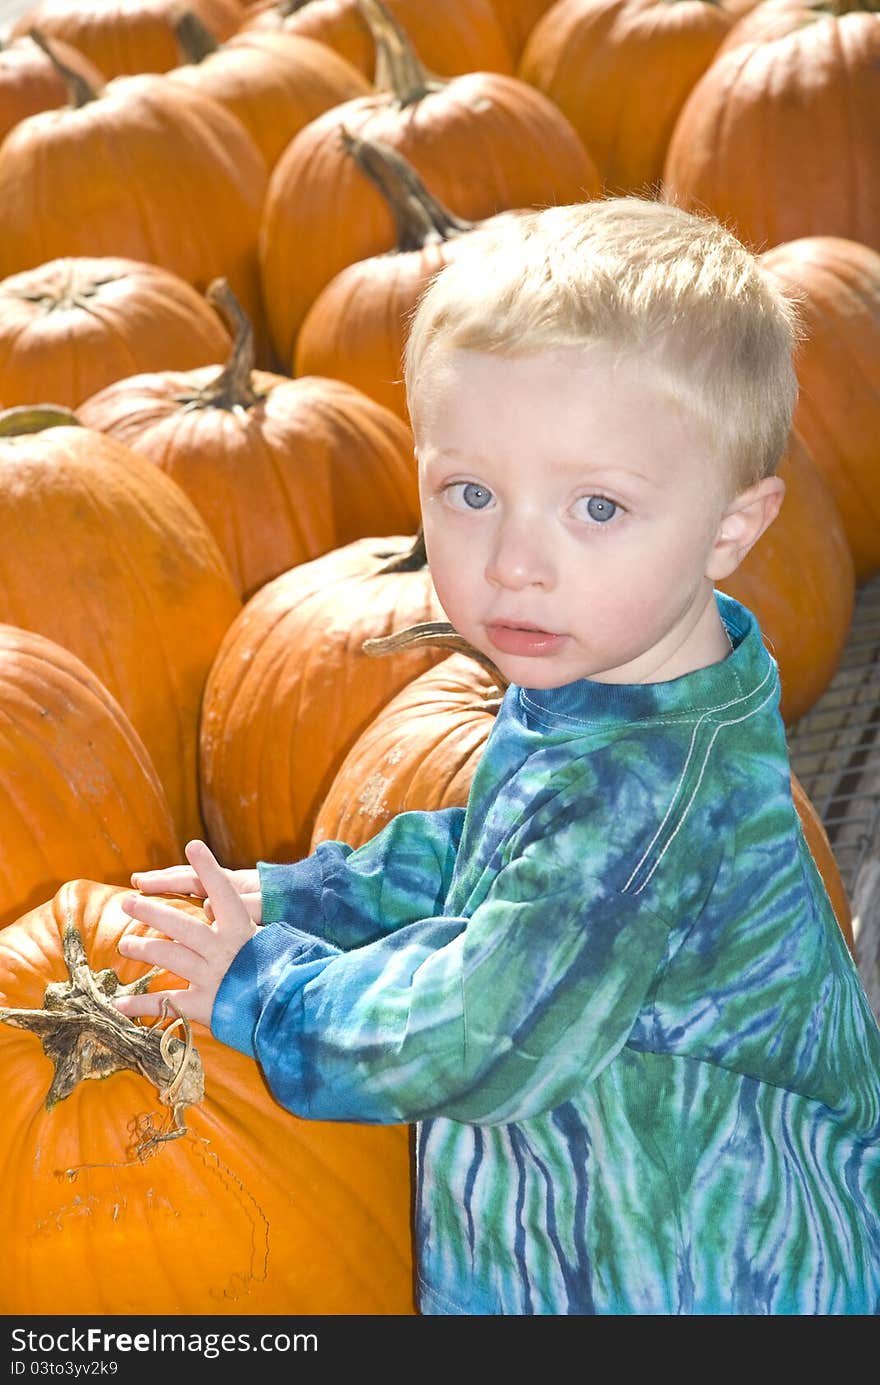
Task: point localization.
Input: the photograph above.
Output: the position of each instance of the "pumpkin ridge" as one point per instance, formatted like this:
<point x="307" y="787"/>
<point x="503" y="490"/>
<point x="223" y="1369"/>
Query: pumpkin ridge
<point x="156" y="642"/>
<point x="845" y="38"/>
<point x="58" y="772"/>
<point x="118" y="150"/>
<point x="16" y="803"/>
<point x="165" y="667"/>
<point x="849" y="482"/>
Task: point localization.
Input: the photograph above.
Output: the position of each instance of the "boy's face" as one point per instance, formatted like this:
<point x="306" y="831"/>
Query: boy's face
<point x="571" y="516"/>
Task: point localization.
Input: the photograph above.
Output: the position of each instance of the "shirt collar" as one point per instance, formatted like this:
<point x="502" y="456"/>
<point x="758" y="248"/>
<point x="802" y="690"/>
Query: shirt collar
<point x="734" y="687"/>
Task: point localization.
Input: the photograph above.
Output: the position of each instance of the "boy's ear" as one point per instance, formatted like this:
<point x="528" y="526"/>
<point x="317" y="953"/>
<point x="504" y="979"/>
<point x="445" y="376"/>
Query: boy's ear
<point x="742" y="524"/>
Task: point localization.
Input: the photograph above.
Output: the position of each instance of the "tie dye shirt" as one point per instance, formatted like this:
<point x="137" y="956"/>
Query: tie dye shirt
<point x="614" y="1000"/>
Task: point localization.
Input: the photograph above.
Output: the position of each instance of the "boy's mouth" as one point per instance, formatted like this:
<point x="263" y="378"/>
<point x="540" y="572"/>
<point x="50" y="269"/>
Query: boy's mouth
<point x="521" y="638"/>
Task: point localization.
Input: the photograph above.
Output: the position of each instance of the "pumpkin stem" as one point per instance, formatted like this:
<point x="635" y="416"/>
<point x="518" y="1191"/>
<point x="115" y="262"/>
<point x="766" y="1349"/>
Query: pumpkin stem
<point x="85" y="1036"/>
<point x="79" y="92"/>
<point x="413" y="560"/>
<point x="233" y="388"/>
<point x="435" y="633"/>
<point x="398" y="69"/>
<point x="195" y="38"/>
<point x="420" y="219"/>
<point x="33" y="418"/>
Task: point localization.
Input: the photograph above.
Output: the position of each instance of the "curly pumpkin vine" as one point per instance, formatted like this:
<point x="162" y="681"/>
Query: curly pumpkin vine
<point x="86" y="1037"/>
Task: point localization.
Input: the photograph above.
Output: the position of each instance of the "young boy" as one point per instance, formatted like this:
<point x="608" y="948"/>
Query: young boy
<point x="611" y="993"/>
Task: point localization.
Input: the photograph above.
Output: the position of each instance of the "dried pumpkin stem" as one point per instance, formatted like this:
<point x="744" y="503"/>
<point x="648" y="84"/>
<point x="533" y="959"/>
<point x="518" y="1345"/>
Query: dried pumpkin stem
<point x="397" y="67"/>
<point x="233" y="388"/>
<point x="86" y="1037"/>
<point x="34" y="418"/>
<point x="78" y="89"/>
<point x="432" y="632"/>
<point x="413" y="560"/>
<point x="195" y="38"/>
<point x="420" y="219"/>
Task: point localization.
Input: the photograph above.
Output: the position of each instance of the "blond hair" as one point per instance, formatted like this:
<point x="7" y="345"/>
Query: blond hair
<point x="643" y="277"/>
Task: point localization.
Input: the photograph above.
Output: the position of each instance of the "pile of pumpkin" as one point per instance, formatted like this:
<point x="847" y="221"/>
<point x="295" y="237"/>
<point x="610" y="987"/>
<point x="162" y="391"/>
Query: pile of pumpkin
<point x="214" y="220"/>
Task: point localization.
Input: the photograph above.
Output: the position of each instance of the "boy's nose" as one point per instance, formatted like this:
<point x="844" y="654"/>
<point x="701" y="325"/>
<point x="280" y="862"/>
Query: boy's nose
<point x="518" y="559"/>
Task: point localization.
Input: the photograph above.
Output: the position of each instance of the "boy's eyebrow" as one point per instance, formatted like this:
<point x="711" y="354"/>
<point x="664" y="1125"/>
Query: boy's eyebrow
<point x="476" y="459"/>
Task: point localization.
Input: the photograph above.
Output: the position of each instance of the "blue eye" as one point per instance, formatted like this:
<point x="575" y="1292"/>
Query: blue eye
<point x="600" y="508"/>
<point x="475" y="497"/>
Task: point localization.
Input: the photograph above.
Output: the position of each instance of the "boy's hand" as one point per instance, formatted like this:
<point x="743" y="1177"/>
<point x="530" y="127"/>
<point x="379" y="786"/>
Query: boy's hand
<point x="200" y="953"/>
<point x="184" y="880"/>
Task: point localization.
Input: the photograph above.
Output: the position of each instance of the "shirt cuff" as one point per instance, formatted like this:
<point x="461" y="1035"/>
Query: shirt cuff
<point x="252" y="980"/>
<point x="291" y="892"/>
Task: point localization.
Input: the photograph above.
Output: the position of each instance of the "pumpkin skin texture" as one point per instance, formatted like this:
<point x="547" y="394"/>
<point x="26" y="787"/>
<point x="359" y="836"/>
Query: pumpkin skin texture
<point x="125" y="36"/>
<point x="274" y="82"/>
<point x="620" y="70"/>
<point x="310" y="465"/>
<point x="29" y="81"/>
<point x="799" y="580"/>
<point x="128" y="579"/>
<point x="836" y="283"/>
<point x="78" y="791"/>
<point x="518" y="19"/>
<point x="819" y="79"/>
<point x="823" y="854"/>
<point x="73" y="325"/>
<point x="482" y="142"/>
<point x="465" y="37"/>
<point x="421" y="750"/>
<point x="771" y="19"/>
<point x="291" y="689"/>
<point x="149" y="170"/>
<point x="252" y="1211"/>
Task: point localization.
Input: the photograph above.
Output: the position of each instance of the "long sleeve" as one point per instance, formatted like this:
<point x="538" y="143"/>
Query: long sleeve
<point x="484" y="1019"/>
<point x="350" y="897"/>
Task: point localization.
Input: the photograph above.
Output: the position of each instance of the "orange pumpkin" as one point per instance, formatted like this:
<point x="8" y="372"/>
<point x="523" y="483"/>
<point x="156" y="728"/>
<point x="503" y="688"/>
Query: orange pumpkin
<point x="621" y="71"/>
<point x="102" y="553"/>
<point x="799" y="580"/>
<point x="836" y="283"/>
<point x="771" y="19"/>
<point x="459" y="36"/>
<point x="125" y="36"/>
<point x="290" y="689"/>
<point x="356" y="328"/>
<point x="73" y="325"/>
<point x="249" y="1211"/>
<point x="782" y="139"/>
<point x="78" y="791"/>
<point x="30" y="81"/>
<point x="274" y="82"/>
<point x="280" y="470"/>
<point x="738" y="8"/>
<point x="518" y="19"/>
<point x="147" y="169"/>
<point x="421" y="750"/>
<point x="823" y="854"/>
<point x="483" y="142"/>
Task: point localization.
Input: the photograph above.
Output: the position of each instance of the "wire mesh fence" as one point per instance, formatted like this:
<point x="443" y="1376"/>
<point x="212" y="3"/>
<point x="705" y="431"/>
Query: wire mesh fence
<point x="835" y="753"/>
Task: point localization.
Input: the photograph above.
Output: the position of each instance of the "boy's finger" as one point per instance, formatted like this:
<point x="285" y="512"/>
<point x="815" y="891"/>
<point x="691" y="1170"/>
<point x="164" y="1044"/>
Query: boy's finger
<point x="162" y="952"/>
<point x="169" y="880"/>
<point x="225" y="899"/>
<point x="165" y="918"/>
<point x="151" y="1003"/>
